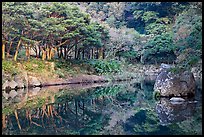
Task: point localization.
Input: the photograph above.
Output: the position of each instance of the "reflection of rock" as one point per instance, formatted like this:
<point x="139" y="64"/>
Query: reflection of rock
<point x="33" y="81"/>
<point x="34" y="91"/>
<point x="169" y="112"/>
<point x="168" y="83"/>
<point x="11" y="94"/>
<point x="10" y="84"/>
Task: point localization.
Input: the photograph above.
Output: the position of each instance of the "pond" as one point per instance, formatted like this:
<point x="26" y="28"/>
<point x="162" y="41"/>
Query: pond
<point x="125" y="108"/>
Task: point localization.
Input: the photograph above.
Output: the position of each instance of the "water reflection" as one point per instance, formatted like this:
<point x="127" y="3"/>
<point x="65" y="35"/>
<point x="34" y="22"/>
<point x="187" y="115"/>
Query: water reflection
<point x="169" y="112"/>
<point x="114" y="108"/>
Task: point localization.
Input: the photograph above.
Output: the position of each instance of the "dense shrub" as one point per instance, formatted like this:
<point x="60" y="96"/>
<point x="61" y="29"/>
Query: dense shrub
<point x="105" y="66"/>
<point x="159" y="49"/>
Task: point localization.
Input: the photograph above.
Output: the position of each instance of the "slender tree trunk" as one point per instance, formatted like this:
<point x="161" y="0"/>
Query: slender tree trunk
<point x="58" y="53"/>
<point x="92" y="53"/>
<point x="50" y="53"/>
<point x="100" y="53"/>
<point x="47" y="53"/>
<point x="28" y="52"/>
<point x="65" y="52"/>
<point x="83" y="54"/>
<point x="75" y="52"/>
<point x="3" y="51"/>
<point x="39" y="51"/>
<point x="16" y="53"/>
<point x="43" y="54"/>
<point x="103" y="54"/>
<point x="97" y="53"/>
<point x="8" y="52"/>
<point x="61" y="52"/>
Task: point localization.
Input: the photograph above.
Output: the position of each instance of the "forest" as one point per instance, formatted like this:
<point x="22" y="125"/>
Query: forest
<point x="59" y="43"/>
<point x="138" y="32"/>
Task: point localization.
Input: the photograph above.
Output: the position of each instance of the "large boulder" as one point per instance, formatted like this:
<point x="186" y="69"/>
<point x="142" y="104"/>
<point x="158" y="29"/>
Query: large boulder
<point x="169" y="83"/>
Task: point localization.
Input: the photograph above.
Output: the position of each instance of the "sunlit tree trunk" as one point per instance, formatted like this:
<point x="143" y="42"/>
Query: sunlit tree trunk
<point x="3" y="50"/>
<point x="17" y="48"/>
<point x="100" y="53"/>
<point x="28" y="52"/>
<point x="47" y="53"/>
<point x="43" y="54"/>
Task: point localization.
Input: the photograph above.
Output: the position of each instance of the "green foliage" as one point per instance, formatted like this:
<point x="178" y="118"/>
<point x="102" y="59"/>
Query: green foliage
<point x="9" y="67"/>
<point x="159" y="49"/>
<point x="188" y="37"/>
<point x="63" y="65"/>
<point x="35" y="103"/>
<point x="35" y="65"/>
<point x="127" y="54"/>
<point x="105" y="66"/>
<point x="60" y="74"/>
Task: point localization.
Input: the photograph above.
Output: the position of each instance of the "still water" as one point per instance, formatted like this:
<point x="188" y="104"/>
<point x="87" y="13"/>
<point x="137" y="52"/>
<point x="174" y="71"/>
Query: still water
<point x="126" y="108"/>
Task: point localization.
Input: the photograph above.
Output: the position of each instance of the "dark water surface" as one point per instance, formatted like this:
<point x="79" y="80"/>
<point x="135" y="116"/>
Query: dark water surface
<point x="111" y="109"/>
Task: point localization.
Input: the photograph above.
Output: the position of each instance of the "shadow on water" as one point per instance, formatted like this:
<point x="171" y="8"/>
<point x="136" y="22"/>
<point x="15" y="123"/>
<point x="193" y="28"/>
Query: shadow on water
<point x="125" y="108"/>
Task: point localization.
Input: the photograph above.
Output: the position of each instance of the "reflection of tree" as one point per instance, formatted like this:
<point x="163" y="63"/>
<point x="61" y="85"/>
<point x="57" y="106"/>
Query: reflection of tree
<point x="74" y="116"/>
<point x="123" y="109"/>
<point x="143" y="122"/>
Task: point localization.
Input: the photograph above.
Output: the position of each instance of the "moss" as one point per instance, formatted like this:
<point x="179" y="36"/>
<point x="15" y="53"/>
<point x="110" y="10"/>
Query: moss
<point x="156" y="95"/>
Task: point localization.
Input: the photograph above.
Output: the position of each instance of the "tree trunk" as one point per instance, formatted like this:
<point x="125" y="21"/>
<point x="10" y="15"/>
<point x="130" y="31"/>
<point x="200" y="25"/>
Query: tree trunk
<point x="100" y="53"/>
<point x="3" y="51"/>
<point x="43" y="54"/>
<point x="92" y="53"/>
<point x="47" y="53"/>
<point x="16" y="53"/>
<point x="103" y="54"/>
<point x="50" y="53"/>
<point x="83" y="54"/>
<point x="39" y="51"/>
<point x="28" y="52"/>
<point x="65" y="53"/>
<point x="58" y="52"/>
<point x="97" y="53"/>
<point x="75" y="52"/>
<point x="8" y="52"/>
<point x="61" y="53"/>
